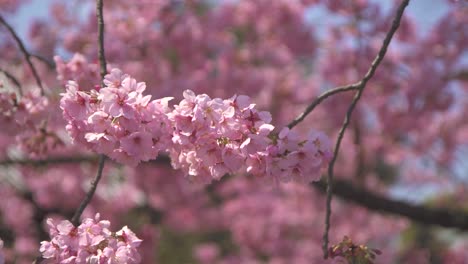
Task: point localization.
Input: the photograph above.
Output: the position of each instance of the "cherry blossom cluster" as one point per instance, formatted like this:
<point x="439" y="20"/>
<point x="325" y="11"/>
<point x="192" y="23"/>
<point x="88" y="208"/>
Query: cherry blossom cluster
<point x="206" y="138"/>
<point x="27" y="112"/>
<point x="214" y="137"/>
<point x="292" y="158"/>
<point x="90" y="242"/>
<point x="117" y="120"/>
<point x="78" y="69"/>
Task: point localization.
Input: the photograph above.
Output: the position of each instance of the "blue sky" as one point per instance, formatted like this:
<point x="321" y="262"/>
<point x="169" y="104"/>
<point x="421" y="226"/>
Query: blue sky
<point x="425" y="12"/>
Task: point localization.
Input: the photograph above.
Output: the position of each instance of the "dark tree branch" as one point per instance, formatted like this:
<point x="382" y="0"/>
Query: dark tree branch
<point x="40" y="213"/>
<point x="102" y="158"/>
<point x="101" y="54"/>
<point x="360" y="89"/>
<point x="76" y="217"/>
<point x="342" y="188"/>
<point x="49" y="63"/>
<point x="27" y="55"/>
<point x="48" y="161"/>
<point x="319" y="99"/>
<point x="12" y="79"/>
<point x="375" y="202"/>
<point x="162" y="160"/>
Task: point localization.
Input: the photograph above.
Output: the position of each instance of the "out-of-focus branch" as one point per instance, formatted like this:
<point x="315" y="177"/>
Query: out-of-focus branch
<point x="162" y="160"/>
<point x="360" y="89"/>
<point x="49" y="63"/>
<point x="12" y="79"/>
<point x="461" y="75"/>
<point x="375" y="202"/>
<point x="27" y="55"/>
<point x="40" y="213"/>
<point x="48" y="161"/>
<point x="342" y="188"/>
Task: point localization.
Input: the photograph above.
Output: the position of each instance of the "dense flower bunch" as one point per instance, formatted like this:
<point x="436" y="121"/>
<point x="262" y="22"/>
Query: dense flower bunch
<point x="214" y="136"/>
<point x="27" y="112"/>
<point x="207" y="138"/>
<point x="77" y="69"/>
<point x="117" y="120"/>
<point x="90" y="242"/>
<point x="294" y="159"/>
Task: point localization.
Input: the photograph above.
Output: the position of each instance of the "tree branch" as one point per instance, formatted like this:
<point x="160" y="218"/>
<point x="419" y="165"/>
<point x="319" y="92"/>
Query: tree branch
<point x="49" y="161"/>
<point x="102" y="158"/>
<point x="162" y="159"/>
<point x="13" y="80"/>
<point x="342" y="188"/>
<point x="76" y="217"/>
<point x="101" y="55"/>
<point x="375" y="202"/>
<point x="27" y="55"/>
<point x="360" y="89"/>
<point x="49" y="63"/>
<point x="319" y="99"/>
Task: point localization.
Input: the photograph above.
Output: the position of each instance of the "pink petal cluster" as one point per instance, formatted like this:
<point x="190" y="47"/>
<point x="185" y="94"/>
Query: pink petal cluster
<point x="90" y="242"/>
<point x="85" y="74"/>
<point x="206" y="138"/>
<point x="26" y="114"/>
<point x="214" y="137"/>
<point x="293" y="158"/>
<point x="117" y="120"/>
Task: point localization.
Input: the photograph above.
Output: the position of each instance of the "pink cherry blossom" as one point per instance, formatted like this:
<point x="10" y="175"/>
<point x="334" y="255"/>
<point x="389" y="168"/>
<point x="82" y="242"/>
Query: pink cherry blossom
<point x="90" y="242"/>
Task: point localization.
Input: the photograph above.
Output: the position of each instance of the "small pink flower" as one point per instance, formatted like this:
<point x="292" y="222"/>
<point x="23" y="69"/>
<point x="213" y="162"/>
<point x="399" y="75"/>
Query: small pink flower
<point x="137" y="144"/>
<point x="90" y="242"/>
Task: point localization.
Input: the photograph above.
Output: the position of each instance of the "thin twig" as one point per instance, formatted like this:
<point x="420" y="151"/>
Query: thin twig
<point x="102" y="158"/>
<point x="360" y="90"/>
<point x="12" y="79"/>
<point x="76" y="217"/>
<point x="27" y="55"/>
<point x="319" y="99"/>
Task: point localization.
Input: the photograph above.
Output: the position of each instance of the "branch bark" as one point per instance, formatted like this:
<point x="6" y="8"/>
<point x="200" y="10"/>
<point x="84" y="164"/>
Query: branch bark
<point x="13" y="80"/>
<point x="102" y="158"/>
<point x="423" y="214"/>
<point x="27" y="55"/>
<point x="360" y="86"/>
<point x="344" y="189"/>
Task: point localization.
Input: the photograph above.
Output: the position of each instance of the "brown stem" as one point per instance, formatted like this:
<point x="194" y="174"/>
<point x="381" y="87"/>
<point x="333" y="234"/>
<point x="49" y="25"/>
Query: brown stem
<point x="12" y="79"/>
<point x="342" y="188"/>
<point x="319" y="99"/>
<point x="76" y="217"/>
<point x="102" y="158"/>
<point x="27" y="55"/>
<point x="360" y="89"/>
<point x="361" y="196"/>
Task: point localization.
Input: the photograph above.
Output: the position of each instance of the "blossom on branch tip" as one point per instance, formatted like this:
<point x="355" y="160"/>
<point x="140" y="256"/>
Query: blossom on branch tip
<point x="90" y="242"/>
<point x="205" y="137"/>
